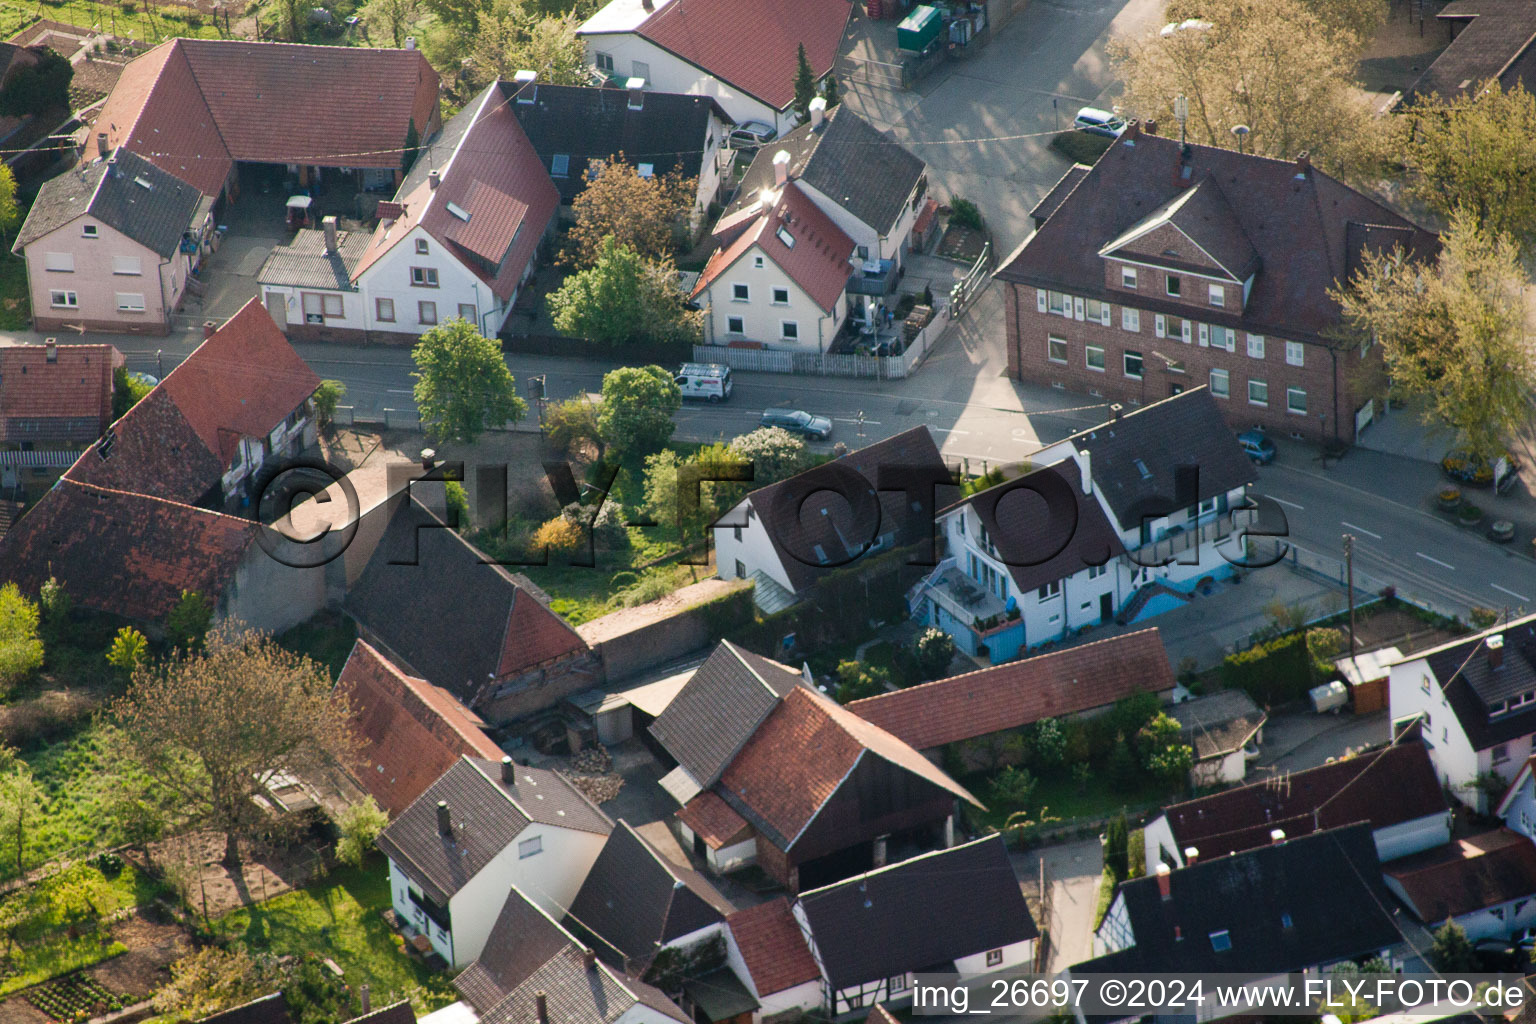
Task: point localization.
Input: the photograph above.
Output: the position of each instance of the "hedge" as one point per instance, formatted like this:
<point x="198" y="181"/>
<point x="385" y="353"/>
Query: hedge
<point x="1272" y="673"/>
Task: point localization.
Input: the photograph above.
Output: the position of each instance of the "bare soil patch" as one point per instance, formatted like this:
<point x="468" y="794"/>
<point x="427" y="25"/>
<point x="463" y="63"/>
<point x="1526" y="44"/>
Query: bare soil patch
<point x="214" y="889"/>
<point x="963" y="244"/>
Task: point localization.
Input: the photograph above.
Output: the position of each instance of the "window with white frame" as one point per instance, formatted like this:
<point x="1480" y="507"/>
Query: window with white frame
<point x="789" y="330"/>
<point x="735" y="325"/>
<point x="757" y="263"/>
<point x="1133" y="364"/>
<point x="529" y="847"/>
<point x="318" y="307"/>
<point x="897" y="983"/>
<point x="1175" y="286"/>
<point x="1224" y="338"/>
<point x="1093" y="355"/>
<point x="1176" y="366"/>
<point x="59" y="262"/>
<point x="127" y="266"/>
<point x="741" y="293"/>
<point x="424" y="277"/>
<point x="1295" y="353"/>
<point x="130" y="302"/>
<point x="1218" y="294"/>
<point x="994" y="957"/>
<point x="1258" y="392"/>
<point x="1059" y="303"/>
<point x="1128" y="278"/>
<point x="1130" y="319"/>
<point x="1096" y="311"/>
<point x="1296" y="401"/>
<point x="781" y="296"/>
<point x="1221" y="385"/>
<point x="426" y="313"/>
<point x="421" y="246"/>
<point x="63" y="300"/>
<point x="1056" y="349"/>
<point x="468" y="312"/>
<point x="384" y="309"/>
<point x="604" y="61"/>
<point x="89" y="231"/>
<point x="1255" y="346"/>
<point x="1049" y="591"/>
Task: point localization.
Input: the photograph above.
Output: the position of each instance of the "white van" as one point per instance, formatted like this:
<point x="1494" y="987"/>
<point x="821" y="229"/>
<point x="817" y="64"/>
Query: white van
<point x="711" y="381"/>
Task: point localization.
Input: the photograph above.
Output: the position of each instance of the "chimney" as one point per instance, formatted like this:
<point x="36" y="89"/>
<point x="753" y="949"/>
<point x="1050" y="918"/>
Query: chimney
<point x="1178" y="934"/>
<point x="1165" y="881"/>
<point x="1150" y="127"/>
<point x="508" y="770"/>
<point x="588" y="957"/>
<point x="444" y="818"/>
<point x="1085" y="468"/>
<point x="1191" y="856"/>
<point x="410" y="42"/>
<point x="1115" y="410"/>
<point x="649" y="5"/>
<point x="363" y="994"/>
<point x="209" y="328"/>
<point x="879" y="858"/>
<point x="428" y="459"/>
<point x="1303" y="163"/>
<point x="636" y="89"/>
<point x="1495" y="650"/>
<point x="818" y="111"/>
<point x="1277" y="836"/>
<point x="780" y="168"/>
<point x="329" y="224"/>
<point x="1132" y="130"/>
<point x="541" y="1006"/>
<point x="434" y="179"/>
<point x="51" y="350"/>
<point x="101" y="145"/>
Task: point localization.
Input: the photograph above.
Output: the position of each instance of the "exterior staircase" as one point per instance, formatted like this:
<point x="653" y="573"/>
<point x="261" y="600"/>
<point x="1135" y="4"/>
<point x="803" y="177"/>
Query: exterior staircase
<point x="1139" y="600"/>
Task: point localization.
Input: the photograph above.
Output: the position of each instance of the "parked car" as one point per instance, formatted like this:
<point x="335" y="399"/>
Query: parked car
<point x="797" y="421"/>
<point x="1258" y="447"/>
<point x="751" y="135"/>
<point x="1462" y="466"/>
<point x="1099" y="122"/>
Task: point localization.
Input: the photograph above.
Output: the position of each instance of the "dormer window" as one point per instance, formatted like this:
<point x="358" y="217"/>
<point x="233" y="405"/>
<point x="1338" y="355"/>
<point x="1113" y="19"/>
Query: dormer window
<point x="1174" y="285"/>
<point x="1218" y="295"/>
<point x="1128" y="278"/>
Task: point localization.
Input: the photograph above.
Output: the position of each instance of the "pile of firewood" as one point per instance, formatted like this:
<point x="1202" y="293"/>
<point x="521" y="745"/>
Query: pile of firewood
<point x="591" y="771"/>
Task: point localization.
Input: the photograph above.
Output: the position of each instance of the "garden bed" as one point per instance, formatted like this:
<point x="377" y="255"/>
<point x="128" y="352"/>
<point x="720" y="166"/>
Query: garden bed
<point x="962" y="244"/>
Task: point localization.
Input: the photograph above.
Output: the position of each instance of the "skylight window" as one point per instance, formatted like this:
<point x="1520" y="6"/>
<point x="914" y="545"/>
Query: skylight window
<point x="142" y="182"/>
<point x="787" y="238"/>
<point x="1221" y="941"/>
<point x="1141" y="467"/>
<point x="1286" y="922"/>
<point x="646" y="170"/>
<point x="560" y="165"/>
<point x="458" y="211"/>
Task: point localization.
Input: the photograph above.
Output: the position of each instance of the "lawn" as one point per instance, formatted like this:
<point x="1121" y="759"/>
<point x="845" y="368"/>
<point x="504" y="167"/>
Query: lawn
<point x="327" y="638"/>
<point x="127" y="19"/>
<point x="581" y="594"/>
<point x="340" y="917"/>
<point x="15" y="308"/>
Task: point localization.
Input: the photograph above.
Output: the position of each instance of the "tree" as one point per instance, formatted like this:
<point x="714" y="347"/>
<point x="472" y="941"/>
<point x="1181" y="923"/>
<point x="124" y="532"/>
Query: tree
<point x="829" y="92"/>
<point x="637" y="213"/>
<point x="856" y="680"/>
<point x="1050" y="744"/>
<point x="21" y="646"/>
<point x="934" y="650"/>
<point x="665" y="482"/>
<point x="189" y="621"/>
<point x="10" y="211"/>
<point x="214" y="979"/>
<point x="360" y="825"/>
<point x="1455" y="334"/>
<point x="129" y="650"/>
<point x="1452" y="952"/>
<point x="559" y="534"/>
<point x="623" y="297"/>
<point x="1477" y="152"/>
<point x="513" y="36"/>
<point x="55" y="603"/>
<point x="571" y="425"/>
<point x="638" y="405"/>
<point x="774" y="452"/>
<point x="327" y="397"/>
<point x="461" y="18"/>
<point x="396" y="17"/>
<point x="213" y="724"/>
<point x="463" y="386"/>
<point x="805" y="85"/>
<point x="1273" y="65"/>
<point x="292" y="12"/>
<point x="127" y="391"/>
<point x="1163" y="750"/>
<point x="1117" y="848"/>
<point x="21" y="804"/>
<point x="1012" y="788"/>
<point x="38" y="88"/>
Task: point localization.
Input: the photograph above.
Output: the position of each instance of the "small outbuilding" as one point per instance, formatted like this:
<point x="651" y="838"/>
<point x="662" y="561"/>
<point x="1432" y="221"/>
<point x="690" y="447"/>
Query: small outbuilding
<point x="1366" y="675"/>
<point x="1220" y="728"/>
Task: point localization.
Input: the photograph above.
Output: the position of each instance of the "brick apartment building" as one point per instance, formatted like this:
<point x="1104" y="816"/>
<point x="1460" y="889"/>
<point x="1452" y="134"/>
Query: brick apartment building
<point x="1163" y="267"/>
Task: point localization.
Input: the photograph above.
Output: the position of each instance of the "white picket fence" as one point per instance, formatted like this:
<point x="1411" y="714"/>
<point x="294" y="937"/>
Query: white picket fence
<point x="830" y="365"/>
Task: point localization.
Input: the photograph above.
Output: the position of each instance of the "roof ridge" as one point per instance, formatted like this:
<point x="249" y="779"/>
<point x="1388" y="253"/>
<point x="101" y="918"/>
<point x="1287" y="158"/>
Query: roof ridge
<point x="150" y="497"/>
<point x="497" y="786"/>
<point x="927" y="855"/>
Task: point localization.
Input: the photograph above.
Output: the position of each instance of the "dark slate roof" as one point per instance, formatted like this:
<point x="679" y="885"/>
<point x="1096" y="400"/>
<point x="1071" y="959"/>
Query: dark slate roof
<point x="1381" y="788"/>
<point x="1218" y="723"/>
<point x="589" y="123"/>
<point x="1194" y="230"/>
<point x="527" y="952"/>
<point x="268" y="1009"/>
<point x="1137" y="458"/>
<point x="127" y="193"/>
<point x="1473" y="687"/>
<point x="1296" y="221"/>
<point x="487" y="815"/>
<point x="1465" y="875"/>
<point x="1059" y="191"/>
<point x="305" y="262"/>
<point x="864" y="171"/>
<point x="429" y="596"/>
<point x="1327" y="884"/>
<point x="395" y="1013"/>
<point x="919" y="915"/>
<point x="795" y="523"/>
<point x="1494" y="40"/>
<point x="634" y="902"/>
<point x="1024" y="523"/>
<point x="719" y="709"/>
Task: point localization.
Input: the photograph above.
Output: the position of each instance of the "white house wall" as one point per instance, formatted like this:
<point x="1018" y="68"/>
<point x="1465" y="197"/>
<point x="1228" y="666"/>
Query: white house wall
<point x="664" y="71"/>
<point x="95" y="282"/>
<point x="1114" y="932"/>
<point x="1520" y="815"/>
<point x="1224" y="770"/>
<point x="761" y="317"/>
<point x="1413" y="836"/>
<point x="1497" y="922"/>
<point x="804" y="996"/>
<point x="1157" y="836"/>
<point x="753" y="551"/>
<point x="885" y="247"/>
<point x="390" y="278"/>
<point x="400" y="898"/>
<point x="1449" y="749"/>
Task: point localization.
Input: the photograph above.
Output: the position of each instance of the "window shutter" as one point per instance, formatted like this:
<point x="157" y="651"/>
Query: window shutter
<point x="1104" y="313"/>
<point x="1205" y="334"/>
<point x="1077" y="308"/>
<point x="1159" y="325"/>
<point x="1040" y="306"/>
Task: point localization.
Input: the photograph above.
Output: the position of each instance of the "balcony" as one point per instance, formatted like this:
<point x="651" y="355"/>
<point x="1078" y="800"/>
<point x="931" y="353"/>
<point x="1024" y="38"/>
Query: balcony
<point x="878" y="278"/>
<point x="966" y="600"/>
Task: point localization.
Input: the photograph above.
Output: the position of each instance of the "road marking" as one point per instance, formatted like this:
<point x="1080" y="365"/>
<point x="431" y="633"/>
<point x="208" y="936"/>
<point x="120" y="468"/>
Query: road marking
<point x="1435" y="560"/>
<point x="948" y="430"/>
<point x="398" y="391"/>
<point x="1292" y="504"/>
<point x="1511" y="593"/>
<point x="1360" y="529"/>
<point x="849" y="419"/>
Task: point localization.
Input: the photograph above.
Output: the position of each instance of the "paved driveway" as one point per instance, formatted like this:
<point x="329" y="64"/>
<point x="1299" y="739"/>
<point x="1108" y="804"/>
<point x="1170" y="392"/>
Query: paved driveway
<point x="964" y="119"/>
<point x="1072" y="872"/>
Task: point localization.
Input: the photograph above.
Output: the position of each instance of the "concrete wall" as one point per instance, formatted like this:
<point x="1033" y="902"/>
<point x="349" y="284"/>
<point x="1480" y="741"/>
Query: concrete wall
<point x="1413" y="836"/>
<point x="269" y="594"/>
<point x="96" y="281"/>
<point x="665" y="636"/>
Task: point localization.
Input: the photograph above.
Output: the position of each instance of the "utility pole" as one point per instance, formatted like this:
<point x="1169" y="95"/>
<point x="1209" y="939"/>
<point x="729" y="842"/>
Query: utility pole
<point x="1349" y="562"/>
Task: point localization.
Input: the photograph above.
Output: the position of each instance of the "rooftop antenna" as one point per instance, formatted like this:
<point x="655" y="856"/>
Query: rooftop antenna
<point x="1181" y="115"/>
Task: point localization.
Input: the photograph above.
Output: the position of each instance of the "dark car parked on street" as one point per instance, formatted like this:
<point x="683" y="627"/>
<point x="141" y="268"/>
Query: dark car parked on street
<point x="797" y="421"/>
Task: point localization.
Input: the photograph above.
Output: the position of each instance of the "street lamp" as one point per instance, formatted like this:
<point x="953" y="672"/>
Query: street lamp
<point x="1241" y="131"/>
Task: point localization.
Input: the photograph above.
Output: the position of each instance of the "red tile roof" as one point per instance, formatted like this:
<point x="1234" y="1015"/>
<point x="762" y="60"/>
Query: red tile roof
<point x="1465" y="875"/>
<point x="802" y="753"/>
<point x="194" y="106"/>
<point x="712" y="820"/>
<point x="66" y="400"/>
<point x="818" y="260"/>
<point x="1007" y="696"/>
<point x="122" y="553"/>
<point x="773" y="947"/>
<point x="752" y="46"/>
<point x="182" y="437"/>
<point x="411" y="731"/>
<point x="535" y="635"/>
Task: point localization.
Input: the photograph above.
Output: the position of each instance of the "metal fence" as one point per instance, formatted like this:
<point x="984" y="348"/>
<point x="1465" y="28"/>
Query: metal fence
<point x="965" y="289"/>
<point x="842" y="364"/>
<point x="873" y="72"/>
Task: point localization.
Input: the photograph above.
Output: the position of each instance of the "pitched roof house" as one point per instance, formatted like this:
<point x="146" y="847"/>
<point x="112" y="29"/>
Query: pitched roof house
<point x="766" y="947"/>
<point x="780" y="775"/>
<point x="54" y="399"/>
<point x="109" y="245"/>
<point x="1486" y="883"/>
<point x="444" y="611"/>
<point x="784" y="538"/>
<point x="1394" y="790"/>
<point x="411" y="731"/>
<point x="1211" y="266"/>
<point x="1074" y="681"/>
<point x="1490" y="39"/>
<point x="1218" y="727"/>
<point x="957" y="911"/>
<point x="532" y="969"/>
<point x="743" y="56"/>
<point x="197" y="107"/>
<point x="481" y="828"/>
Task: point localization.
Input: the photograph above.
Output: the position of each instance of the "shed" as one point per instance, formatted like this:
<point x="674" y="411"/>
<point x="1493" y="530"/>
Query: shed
<point x="1367" y="676"/>
<point x="920" y="28"/>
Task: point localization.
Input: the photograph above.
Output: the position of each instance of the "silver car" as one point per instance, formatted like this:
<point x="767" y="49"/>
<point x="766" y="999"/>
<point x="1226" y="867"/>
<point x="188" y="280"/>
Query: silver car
<point x="751" y="135"/>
